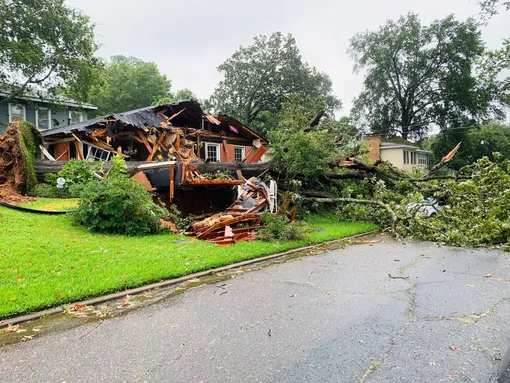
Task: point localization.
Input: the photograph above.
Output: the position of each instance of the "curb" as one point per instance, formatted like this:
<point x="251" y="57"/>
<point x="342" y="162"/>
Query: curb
<point x="169" y="282"/>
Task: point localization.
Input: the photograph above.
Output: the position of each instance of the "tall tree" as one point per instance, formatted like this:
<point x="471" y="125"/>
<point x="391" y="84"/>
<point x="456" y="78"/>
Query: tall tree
<point x="260" y="77"/>
<point x="181" y="94"/>
<point x="491" y="7"/>
<point x="418" y="76"/>
<point x="44" y="45"/>
<point x="128" y="83"/>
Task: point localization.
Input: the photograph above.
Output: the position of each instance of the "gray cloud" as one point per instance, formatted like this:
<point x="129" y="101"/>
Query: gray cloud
<point x="188" y="40"/>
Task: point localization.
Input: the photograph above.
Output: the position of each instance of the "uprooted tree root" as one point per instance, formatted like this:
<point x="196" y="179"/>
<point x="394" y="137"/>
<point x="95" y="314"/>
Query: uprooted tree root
<point x="17" y="152"/>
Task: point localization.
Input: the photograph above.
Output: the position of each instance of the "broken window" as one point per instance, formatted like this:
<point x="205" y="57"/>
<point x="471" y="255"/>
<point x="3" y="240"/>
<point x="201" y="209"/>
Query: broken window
<point x="75" y="117"/>
<point x="98" y="154"/>
<point x="212" y="152"/>
<point x="238" y="153"/>
<point x="43" y="118"/>
<point x="16" y="112"/>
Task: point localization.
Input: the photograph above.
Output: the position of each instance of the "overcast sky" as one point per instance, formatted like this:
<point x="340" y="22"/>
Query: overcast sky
<point x="189" y="39"/>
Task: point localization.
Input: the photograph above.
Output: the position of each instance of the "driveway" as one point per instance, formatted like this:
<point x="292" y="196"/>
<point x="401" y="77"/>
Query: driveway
<point x="382" y="311"/>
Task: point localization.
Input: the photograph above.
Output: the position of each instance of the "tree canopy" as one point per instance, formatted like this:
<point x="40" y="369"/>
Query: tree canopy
<point x="128" y="83"/>
<point x="417" y="76"/>
<point x="182" y="94"/>
<point x="260" y="78"/>
<point x="44" y="45"/>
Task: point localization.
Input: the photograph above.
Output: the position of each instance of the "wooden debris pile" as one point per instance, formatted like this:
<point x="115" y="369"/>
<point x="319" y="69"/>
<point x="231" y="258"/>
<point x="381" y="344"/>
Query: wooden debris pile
<point x="240" y="221"/>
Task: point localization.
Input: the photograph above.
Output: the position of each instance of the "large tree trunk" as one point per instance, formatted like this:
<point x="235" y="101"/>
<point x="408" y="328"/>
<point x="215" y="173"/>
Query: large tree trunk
<point x="248" y="169"/>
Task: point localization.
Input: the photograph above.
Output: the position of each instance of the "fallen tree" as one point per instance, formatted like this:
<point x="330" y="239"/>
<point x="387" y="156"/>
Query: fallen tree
<point x="248" y="169"/>
<point x="18" y="148"/>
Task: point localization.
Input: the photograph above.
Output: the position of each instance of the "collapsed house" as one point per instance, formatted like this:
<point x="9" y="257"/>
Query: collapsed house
<point x="179" y="131"/>
<point x="166" y="142"/>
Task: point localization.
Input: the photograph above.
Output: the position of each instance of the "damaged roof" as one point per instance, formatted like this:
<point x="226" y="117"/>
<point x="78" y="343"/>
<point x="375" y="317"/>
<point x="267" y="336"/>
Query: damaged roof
<point x="190" y="115"/>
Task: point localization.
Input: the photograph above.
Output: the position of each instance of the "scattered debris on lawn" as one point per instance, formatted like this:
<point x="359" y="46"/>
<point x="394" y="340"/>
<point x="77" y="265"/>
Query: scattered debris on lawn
<point x="240" y="221"/>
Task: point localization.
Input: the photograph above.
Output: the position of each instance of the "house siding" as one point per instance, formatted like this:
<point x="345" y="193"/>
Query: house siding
<point x="58" y="113"/>
<point x="396" y="157"/>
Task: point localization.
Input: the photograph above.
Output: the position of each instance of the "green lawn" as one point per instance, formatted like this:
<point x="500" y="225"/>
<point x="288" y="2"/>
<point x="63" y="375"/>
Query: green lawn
<point x="46" y="261"/>
<point x="52" y="204"/>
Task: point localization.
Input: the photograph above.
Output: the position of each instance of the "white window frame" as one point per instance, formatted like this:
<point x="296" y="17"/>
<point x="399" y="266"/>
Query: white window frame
<point x="71" y="114"/>
<point x="423" y="159"/>
<point x="96" y="151"/>
<point x="23" y="108"/>
<point x="243" y="152"/>
<point x="47" y="110"/>
<point x="218" y="151"/>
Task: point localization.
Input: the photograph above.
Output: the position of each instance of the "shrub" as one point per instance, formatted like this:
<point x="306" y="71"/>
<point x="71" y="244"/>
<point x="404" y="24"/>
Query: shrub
<point x="177" y="218"/>
<point x="278" y="227"/>
<point x="46" y="190"/>
<point x="118" y="205"/>
<point x="77" y="174"/>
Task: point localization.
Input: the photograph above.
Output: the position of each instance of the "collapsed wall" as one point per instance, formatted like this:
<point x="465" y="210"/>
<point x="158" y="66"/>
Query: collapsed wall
<point x="18" y="148"/>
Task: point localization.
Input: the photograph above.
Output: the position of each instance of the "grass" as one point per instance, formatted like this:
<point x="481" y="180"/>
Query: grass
<point x="46" y="261"/>
<point x="52" y="204"/>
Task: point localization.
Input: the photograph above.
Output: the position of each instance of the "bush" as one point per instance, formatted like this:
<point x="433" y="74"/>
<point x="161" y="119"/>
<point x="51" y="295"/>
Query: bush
<point x="118" y="205"/>
<point x="77" y="174"/>
<point x="278" y="227"/>
<point x="47" y="191"/>
<point x="175" y="216"/>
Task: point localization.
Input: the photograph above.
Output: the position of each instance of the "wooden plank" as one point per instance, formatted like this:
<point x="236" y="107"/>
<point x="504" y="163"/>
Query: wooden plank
<point x="78" y="149"/>
<point x="145" y="142"/>
<point x="62" y="155"/>
<point x="156" y="147"/>
<point x="213" y="182"/>
<point x="46" y="153"/>
<point x="229" y="222"/>
<point x="258" y="155"/>
<point x="172" y="181"/>
<point x="76" y="138"/>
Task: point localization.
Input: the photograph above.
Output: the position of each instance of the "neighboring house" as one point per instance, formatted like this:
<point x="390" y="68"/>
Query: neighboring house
<point x="45" y="112"/>
<point x="180" y="131"/>
<point x="400" y="153"/>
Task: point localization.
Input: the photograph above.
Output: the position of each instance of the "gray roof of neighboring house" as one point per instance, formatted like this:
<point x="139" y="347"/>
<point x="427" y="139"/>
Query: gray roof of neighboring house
<point x="191" y="115"/>
<point x="50" y="99"/>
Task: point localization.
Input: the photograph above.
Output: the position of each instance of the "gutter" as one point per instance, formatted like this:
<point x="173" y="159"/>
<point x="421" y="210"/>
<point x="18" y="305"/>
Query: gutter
<point x="166" y="283"/>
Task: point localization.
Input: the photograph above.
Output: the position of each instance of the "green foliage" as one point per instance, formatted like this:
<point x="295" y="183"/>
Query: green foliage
<point x="491" y="7"/>
<point x="183" y="94"/>
<point x="299" y="150"/>
<point x="118" y="205"/>
<point x="418" y="75"/>
<point x="43" y="43"/>
<point x="175" y="216"/>
<point x="128" y="83"/>
<point x="77" y="174"/>
<point x="259" y="78"/>
<point x="478" y="209"/>
<point x="30" y="140"/>
<point x="477" y="142"/>
<point x="46" y="190"/>
<point x="278" y="227"/>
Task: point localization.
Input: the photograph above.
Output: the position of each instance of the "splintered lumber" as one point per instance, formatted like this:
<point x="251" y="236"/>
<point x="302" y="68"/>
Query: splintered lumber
<point x="77" y="145"/>
<point x="145" y="142"/>
<point x="156" y="147"/>
<point x="172" y="181"/>
<point x="230" y="222"/>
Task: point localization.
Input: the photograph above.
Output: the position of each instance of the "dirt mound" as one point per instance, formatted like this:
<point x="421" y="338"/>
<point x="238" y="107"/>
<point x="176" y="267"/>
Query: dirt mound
<point x="14" y="164"/>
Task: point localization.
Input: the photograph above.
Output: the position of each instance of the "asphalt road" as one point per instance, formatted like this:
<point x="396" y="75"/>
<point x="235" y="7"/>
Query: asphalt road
<point x="332" y="317"/>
